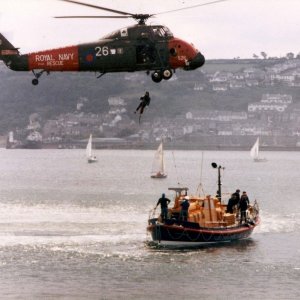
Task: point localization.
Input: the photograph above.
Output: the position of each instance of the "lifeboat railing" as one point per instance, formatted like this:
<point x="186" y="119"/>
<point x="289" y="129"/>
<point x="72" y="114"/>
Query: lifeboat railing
<point x="152" y="217"/>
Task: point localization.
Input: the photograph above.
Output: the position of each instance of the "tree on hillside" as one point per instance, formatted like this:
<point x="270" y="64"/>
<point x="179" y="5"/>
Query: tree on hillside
<point x="263" y="54"/>
<point x="290" y="55"/>
<point x="255" y="56"/>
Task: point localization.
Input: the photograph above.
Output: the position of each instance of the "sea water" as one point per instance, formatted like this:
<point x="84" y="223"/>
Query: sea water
<point x="73" y="230"/>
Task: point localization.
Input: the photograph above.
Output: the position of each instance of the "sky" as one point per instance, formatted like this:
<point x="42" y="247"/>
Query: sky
<point x="228" y="29"/>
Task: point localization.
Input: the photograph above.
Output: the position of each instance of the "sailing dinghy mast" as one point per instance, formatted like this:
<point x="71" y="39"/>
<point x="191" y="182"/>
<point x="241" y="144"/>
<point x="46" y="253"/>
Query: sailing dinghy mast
<point x="200" y="185"/>
<point x="162" y="162"/>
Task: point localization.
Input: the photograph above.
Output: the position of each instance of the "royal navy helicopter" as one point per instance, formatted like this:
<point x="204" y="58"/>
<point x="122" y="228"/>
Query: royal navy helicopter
<point x="141" y="47"/>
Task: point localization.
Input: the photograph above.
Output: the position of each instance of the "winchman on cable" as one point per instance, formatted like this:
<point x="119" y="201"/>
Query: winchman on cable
<point x="145" y="101"/>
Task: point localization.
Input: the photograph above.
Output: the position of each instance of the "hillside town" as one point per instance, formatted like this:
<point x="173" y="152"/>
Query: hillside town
<point x="273" y="116"/>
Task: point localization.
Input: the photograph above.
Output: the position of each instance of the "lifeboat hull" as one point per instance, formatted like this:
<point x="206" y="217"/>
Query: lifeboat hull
<point x="185" y="236"/>
<point x="159" y="176"/>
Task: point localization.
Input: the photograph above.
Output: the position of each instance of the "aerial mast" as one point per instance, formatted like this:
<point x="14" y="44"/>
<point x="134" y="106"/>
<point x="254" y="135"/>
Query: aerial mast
<point x="219" y="191"/>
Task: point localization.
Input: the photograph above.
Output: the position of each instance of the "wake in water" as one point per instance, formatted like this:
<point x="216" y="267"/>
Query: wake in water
<point x="61" y="224"/>
<point x="275" y="223"/>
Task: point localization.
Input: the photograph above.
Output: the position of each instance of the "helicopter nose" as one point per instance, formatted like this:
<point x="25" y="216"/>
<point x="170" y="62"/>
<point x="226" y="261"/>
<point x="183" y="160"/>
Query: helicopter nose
<point x="197" y="62"/>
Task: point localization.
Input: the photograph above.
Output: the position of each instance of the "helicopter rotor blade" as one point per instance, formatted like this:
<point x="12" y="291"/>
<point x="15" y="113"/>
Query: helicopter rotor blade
<point x="141" y="18"/>
<point x="93" y="17"/>
<point x="189" y="7"/>
<point x="98" y="7"/>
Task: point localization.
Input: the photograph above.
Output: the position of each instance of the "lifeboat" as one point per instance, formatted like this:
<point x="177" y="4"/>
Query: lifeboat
<point x="208" y="221"/>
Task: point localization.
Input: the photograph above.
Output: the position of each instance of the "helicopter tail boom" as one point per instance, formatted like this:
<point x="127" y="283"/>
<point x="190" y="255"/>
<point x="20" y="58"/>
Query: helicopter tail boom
<point x="11" y="56"/>
<point x="7" y="49"/>
<point x="61" y="59"/>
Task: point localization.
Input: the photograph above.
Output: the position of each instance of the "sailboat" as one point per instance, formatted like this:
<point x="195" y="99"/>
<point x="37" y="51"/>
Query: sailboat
<point x="90" y="158"/>
<point x="254" y="152"/>
<point x="158" y="166"/>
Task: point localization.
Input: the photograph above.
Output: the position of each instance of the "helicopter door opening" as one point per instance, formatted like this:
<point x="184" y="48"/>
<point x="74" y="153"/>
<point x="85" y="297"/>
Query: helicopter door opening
<point x="145" y="54"/>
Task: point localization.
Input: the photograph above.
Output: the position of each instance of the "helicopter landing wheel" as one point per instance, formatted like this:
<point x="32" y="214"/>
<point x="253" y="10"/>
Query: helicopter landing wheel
<point x="156" y="76"/>
<point x="35" y="81"/>
<point x="167" y="74"/>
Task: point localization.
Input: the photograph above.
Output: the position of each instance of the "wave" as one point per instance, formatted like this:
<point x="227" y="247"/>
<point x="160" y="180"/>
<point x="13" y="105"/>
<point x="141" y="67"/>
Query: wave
<point x="65" y="213"/>
<point x="63" y="225"/>
<point x="63" y="240"/>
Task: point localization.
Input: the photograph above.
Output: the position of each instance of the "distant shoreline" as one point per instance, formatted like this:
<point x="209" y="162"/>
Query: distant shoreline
<point x="167" y="147"/>
<point x="199" y="143"/>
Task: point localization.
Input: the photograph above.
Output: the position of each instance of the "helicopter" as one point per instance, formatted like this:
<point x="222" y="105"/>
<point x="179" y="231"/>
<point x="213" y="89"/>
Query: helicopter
<point x="140" y="47"/>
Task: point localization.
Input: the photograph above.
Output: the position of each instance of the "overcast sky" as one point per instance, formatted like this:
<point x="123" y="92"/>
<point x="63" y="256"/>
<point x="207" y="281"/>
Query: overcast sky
<point x="234" y="28"/>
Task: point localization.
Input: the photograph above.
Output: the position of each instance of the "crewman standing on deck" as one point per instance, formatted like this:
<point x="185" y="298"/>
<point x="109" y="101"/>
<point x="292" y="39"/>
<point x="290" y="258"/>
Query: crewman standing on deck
<point x="184" y="209"/>
<point x="231" y="203"/>
<point x="163" y="201"/>
<point x="243" y="204"/>
<point x="237" y="197"/>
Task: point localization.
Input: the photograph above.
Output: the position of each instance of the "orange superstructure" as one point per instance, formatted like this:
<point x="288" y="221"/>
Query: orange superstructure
<point x="206" y="211"/>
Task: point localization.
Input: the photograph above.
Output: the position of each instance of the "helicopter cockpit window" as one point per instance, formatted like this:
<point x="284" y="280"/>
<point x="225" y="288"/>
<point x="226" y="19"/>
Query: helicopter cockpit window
<point x="162" y="32"/>
<point x="157" y="32"/>
<point x="167" y="31"/>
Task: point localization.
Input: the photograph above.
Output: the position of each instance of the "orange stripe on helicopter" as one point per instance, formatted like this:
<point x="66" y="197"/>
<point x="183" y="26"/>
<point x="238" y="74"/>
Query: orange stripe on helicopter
<point x="9" y="52"/>
<point x="62" y="59"/>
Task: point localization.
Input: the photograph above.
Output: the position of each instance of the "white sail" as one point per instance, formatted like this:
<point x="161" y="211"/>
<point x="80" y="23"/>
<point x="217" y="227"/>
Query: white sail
<point x="90" y="157"/>
<point x="89" y="147"/>
<point x="158" y="166"/>
<point x="254" y="152"/>
<point x="255" y="149"/>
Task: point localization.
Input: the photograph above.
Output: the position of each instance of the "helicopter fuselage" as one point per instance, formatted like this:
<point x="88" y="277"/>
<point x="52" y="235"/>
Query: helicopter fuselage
<point x="137" y="48"/>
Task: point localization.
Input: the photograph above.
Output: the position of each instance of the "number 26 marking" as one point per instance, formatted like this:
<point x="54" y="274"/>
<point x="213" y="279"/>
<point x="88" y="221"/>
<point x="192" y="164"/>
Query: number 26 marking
<point x="102" y="51"/>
